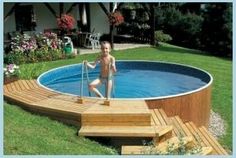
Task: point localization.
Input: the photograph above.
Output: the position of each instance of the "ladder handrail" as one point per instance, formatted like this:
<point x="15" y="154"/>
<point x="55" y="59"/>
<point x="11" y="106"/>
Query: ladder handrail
<point x="82" y="79"/>
<point x="87" y="76"/>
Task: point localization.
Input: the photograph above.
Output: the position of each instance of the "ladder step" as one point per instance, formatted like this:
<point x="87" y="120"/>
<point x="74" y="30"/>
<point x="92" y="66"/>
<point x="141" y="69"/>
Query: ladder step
<point x="161" y="148"/>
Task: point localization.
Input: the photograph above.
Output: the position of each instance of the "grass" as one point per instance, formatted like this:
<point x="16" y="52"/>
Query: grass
<point x="220" y="68"/>
<point x="27" y="134"/>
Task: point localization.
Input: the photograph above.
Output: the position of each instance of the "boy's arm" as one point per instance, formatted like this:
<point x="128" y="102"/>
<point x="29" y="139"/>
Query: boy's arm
<point x="93" y="65"/>
<point x="113" y="65"/>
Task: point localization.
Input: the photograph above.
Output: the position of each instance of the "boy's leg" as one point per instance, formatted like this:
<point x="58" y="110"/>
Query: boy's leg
<point x="109" y="88"/>
<point x="92" y="87"/>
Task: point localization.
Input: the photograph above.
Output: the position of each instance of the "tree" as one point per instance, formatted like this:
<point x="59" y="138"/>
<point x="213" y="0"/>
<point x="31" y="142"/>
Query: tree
<point x="217" y="29"/>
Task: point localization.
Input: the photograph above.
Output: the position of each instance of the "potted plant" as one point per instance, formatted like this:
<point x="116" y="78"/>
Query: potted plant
<point x="116" y="18"/>
<point x="65" y="23"/>
<point x="11" y="73"/>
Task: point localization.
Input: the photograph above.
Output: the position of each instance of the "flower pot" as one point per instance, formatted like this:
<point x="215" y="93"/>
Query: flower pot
<point x="10" y="79"/>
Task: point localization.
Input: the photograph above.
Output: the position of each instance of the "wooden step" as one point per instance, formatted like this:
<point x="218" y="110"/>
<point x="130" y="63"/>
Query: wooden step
<point x="119" y="113"/>
<point x="204" y="137"/>
<point x="125" y="131"/>
<point x="214" y="143"/>
<point x="161" y="148"/>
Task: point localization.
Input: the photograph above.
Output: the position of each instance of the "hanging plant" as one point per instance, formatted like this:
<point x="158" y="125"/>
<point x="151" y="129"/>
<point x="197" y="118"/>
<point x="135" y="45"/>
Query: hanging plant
<point x="66" y="22"/>
<point x="116" y="18"/>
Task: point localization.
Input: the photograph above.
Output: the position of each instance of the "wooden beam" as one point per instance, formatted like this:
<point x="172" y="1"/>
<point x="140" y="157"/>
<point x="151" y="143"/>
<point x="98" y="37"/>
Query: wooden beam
<point x="51" y="9"/>
<point x="71" y="8"/>
<point x="104" y="9"/>
<point x="111" y="29"/>
<point x="11" y="11"/>
<point x="61" y="8"/>
<point x="152" y="23"/>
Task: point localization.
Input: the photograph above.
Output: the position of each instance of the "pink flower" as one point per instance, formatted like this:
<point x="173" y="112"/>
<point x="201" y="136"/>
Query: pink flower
<point x="66" y="22"/>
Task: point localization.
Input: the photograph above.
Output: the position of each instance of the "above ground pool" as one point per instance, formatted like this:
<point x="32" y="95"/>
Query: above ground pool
<point x="177" y="89"/>
<point x="134" y="79"/>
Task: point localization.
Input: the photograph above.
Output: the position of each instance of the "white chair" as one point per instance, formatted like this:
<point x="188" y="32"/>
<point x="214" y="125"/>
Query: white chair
<point x="92" y="40"/>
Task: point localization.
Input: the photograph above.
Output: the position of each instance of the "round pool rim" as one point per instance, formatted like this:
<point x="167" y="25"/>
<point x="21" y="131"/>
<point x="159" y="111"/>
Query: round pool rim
<point x="147" y="98"/>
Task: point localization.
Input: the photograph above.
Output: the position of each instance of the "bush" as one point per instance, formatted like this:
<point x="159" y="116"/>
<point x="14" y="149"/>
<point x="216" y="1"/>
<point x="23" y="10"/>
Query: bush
<point x="189" y="30"/>
<point x="36" y="48"/>
<point x="162" y="37"/>
<point x="31" y="71"/>
<point x="15" y="58"/>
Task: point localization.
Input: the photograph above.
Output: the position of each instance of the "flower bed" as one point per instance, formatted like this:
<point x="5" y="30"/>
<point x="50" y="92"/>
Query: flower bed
<point x="36" y="48"/>
<point x="11" y="73"/>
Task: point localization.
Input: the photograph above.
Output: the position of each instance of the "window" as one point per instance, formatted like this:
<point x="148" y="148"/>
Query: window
<point x="25" y="18"/>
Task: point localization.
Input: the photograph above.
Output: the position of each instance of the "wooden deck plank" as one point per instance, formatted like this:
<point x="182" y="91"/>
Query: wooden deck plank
<point x="33" y="94"/>
<point x="25" y="84"/>
<point x="28" y="95"/>
<point x="218" y="148"/>
<point x="18" y="88"/>
<point x="63" y="105"/>
<point x="34" y="83"/>
<point x="9" y="87"/>
<point x="29" y="84"/>
<point x="13" y="87"/>
<point x="20" y="85"/>
<point x="17" y="98"/>
<point x="214" y="140"/>
<point x="164" y="116"/>
<point x="156" y="121"/>
<point x="178" y="127"/>
<point x="160" y="118"/>
<point x="184" y="128"/>
<point x="197" y="135"/>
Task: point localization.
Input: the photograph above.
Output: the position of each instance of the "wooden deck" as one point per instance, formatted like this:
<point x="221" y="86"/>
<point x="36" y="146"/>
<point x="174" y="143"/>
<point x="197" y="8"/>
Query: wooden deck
<point x="120" y="119"/>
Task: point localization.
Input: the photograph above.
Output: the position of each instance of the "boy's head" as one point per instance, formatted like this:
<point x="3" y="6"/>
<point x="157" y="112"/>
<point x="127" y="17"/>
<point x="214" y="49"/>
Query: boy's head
<point x="105" y="47"/>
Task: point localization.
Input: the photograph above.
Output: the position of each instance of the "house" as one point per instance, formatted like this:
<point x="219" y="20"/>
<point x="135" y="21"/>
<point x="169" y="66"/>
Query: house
<point x="38" y="17"/>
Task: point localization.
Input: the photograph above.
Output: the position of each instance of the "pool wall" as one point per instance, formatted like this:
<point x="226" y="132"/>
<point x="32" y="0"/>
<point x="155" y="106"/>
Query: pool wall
<point x="193" y="107"/>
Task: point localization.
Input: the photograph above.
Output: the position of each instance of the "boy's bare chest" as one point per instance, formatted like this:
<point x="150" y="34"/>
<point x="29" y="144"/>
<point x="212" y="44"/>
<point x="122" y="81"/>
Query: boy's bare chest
<point x="105" y="61"/>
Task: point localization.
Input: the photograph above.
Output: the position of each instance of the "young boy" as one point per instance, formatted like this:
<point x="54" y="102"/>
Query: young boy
<point x="108" y="68"/>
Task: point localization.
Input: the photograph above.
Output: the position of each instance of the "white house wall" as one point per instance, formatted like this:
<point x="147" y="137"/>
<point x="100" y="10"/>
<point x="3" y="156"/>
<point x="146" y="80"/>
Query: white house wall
<point x="46" y="20"/>
<point x="99" y="20"/>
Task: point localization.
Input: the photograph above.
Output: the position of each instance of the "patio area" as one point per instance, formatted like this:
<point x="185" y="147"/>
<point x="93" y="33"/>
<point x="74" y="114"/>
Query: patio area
<point x="117" y="46"/>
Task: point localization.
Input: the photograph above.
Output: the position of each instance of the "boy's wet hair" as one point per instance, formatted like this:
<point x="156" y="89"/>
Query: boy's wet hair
<point x="105" y="42"/>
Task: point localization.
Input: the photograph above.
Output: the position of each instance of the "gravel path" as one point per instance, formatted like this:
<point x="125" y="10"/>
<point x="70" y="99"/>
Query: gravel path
<point x="217" y="125"/>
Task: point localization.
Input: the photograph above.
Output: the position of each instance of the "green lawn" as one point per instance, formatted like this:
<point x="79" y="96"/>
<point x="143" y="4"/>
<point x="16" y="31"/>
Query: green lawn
<point x="27" y="134"/>
<point x="14" y="142"/>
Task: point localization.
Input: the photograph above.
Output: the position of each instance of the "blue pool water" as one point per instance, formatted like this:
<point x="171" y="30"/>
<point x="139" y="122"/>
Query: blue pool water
<point x="134" y="79"/>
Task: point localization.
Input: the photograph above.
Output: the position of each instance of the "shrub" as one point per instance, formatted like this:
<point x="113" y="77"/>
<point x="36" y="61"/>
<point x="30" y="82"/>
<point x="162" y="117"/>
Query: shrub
<point x="150" y="148"/>
<point x="36" y="48"/>
<point x="15" y="58"/>
<point x="31" y="71"/>
<point x="162" y="37"/>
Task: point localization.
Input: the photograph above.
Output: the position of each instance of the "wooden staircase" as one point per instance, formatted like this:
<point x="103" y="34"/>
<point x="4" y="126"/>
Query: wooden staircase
<point x="193" y="136"/>
<point x="120" y="119"/>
